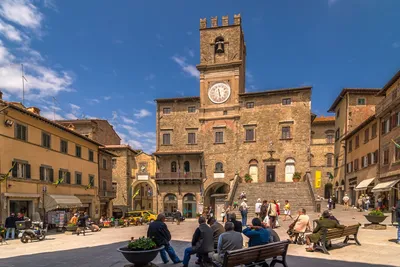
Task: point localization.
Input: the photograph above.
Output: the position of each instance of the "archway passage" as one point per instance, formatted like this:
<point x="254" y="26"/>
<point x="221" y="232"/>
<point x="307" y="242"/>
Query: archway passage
<point x="143" y="197"/>
<point x="328" y="190"/>
<point x="189" y="206"/>
<point x="289" y="170"/>
<point x="170" y="204"/>
<point x="215" y="196"/>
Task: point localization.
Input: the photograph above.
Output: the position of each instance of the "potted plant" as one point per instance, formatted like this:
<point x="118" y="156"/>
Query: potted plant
<point x="296" y="176"/>
<point x="71" y="227"/>
<point x="248" y="178"/>
<point x="375" y="217"/>
<point x="140" y="251"/>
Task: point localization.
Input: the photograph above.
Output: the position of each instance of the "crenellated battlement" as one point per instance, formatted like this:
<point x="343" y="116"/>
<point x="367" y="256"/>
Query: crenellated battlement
<point x="237" y="20"/>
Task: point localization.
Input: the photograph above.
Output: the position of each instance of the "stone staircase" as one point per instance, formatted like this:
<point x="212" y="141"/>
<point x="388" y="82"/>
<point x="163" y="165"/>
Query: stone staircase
<point x="298" y="194"/>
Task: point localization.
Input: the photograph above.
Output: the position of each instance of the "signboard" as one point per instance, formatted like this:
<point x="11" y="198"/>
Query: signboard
<point x="143" y="177"/>
<point x="219" y="175"/>
<point x="317" y="179"/>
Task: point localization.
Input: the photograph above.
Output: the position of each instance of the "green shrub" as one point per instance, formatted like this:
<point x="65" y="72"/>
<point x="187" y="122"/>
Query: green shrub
<point x="143" y="243"/>
<point x="376" y="213"/>
<point x="248" y="178"/>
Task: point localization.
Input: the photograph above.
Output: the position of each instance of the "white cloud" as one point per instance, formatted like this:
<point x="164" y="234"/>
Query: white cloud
<point x="150" y="77"/>
<point x="106" y="98"/>
<point x="189" y="69"/>
<point x="51" y="115"/>
<point x="71" y="116"/>
<point x="74" y="107"/>
<point x="84" y="67"/>
<point x="21" y="12"/>
<point x="150" y="102"/>
<point x="92" y="101"/>
<point x="127" y="120"/>
<point x="51" y="5"/>
<point x="10" y="32"/>
<point x="142" y="113"/>
<point x="114" y="116"/>
<point x="396" y="45"/>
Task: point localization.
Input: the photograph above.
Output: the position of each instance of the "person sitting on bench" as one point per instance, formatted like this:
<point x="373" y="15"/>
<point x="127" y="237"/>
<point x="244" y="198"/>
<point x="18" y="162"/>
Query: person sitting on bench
<point x="256" y="233"/>
<point x="324" y="223"/>
<point x="300" y="225"/>
<point x="230" y="240"/>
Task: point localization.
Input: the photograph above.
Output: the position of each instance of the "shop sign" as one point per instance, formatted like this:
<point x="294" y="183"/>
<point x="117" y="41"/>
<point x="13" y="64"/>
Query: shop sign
<point x="219" y="175"/>
<point x="143" y="177"/>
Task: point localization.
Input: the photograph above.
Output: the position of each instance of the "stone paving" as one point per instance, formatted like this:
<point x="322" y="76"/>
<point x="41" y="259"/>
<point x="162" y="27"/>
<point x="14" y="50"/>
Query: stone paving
<point x="99" y="249"/>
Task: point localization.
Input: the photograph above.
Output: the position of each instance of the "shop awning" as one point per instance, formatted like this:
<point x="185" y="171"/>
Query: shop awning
<point x="364" y="184"/>
<point x="52" y="202"/>
<point x="21" y="195"/>
<point x="385" y="186"/>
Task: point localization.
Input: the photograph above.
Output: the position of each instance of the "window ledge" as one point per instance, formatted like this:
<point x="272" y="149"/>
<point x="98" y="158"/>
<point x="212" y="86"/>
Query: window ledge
<point x="166" y="145"/>
<point x="223" y="143"/>
<point x="249" y="141"/>
<point x="286" y="139"/>
<point x="192" y="144"/>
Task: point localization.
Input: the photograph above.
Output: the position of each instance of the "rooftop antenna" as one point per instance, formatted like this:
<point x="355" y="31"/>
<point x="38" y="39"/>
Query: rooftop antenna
<point x="23" y="83"/>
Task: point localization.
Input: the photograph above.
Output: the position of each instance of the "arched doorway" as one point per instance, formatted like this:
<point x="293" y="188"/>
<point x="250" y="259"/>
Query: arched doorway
<point x="328" y="190"/>
<point x="215" y="196"/>
<point x="189" y="206"/>
<point x="253" y="170"/>
<point x="143" y="197"/>
<point x="289" y="169"/>
<point x="170" y="204"/>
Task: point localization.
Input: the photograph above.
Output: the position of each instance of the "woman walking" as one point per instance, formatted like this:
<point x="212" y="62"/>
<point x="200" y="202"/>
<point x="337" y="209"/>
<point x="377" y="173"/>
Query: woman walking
<point x="272" y="213"/>
<point x="287" y="210"/>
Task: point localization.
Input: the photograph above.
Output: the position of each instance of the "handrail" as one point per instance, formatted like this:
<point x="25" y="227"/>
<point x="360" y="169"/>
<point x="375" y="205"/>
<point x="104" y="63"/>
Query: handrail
<point x="232" y="192"/>
<point x="308" y="179"/>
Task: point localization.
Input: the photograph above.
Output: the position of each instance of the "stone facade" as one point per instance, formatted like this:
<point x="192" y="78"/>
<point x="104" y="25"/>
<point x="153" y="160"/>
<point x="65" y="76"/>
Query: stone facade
<point x="203" y="142"/>
<point x="322" y="154"/>
<point x="362" y="148"/>
<point x="349" y="114"/>
<point x="143" y="174"/>
<point x="122" y="170"/>
<point x="106" y="192"/>
<point x="98" y="130"/>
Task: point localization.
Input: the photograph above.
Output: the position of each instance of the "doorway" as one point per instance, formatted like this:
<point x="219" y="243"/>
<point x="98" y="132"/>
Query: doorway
<point x="189" y="206"/>
<point x="253" y="170"/>
<point x="24" y="207"/>
<point x="270" y="174"/>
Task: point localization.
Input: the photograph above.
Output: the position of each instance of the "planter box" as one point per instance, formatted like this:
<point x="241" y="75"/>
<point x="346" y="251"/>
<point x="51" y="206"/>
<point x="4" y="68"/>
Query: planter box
<point x="375" y="219"/>
<point x="71" y="228"/>
<point x="139" y="258"/>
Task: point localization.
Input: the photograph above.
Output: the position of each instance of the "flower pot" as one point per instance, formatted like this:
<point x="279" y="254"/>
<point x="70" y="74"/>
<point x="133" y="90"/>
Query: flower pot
<point x="71" y="228"/>
<point x="296" y="180"/>
<point x="375" y="219"/>
<point x="139" y="258"/>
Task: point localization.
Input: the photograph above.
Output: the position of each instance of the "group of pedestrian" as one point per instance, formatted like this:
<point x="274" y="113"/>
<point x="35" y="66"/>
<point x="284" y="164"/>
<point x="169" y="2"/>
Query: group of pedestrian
<point x="363" y="202"/>
<point x="10" y="224"/>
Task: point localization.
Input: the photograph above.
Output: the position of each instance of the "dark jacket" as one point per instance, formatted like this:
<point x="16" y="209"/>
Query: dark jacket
<point x="263" y="210"/>
<point x="10" y="222"/>
<point x="218" y="229"/>
<point x="398" y="211"/>
<point x="82" y="221"/>
<point x="203" y="241"/>
<point x="178" y="215"/>
<point x="237" y="226"/>
<point x="158" y="231"/>
<point x="321" y="226"/>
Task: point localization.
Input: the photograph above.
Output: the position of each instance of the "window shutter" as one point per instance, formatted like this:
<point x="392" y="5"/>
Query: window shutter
<point x="51" y="175"/>
<point x="369" y="159"/>
<point x="68" y="177"/>
<point x="28" y="171"/>
<point x="383" y="127"/>
<point x="42" y="173"/>
<point x="59" y="174"/>
<point x="376" y="156"/>
<point x="14" y="170"/>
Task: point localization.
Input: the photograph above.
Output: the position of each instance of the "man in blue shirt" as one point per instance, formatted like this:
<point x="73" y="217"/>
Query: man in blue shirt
<point x="257" y="234"/>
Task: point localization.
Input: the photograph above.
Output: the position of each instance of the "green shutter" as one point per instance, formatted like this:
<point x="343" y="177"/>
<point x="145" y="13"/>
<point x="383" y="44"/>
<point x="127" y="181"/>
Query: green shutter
<point x="42" y="173"/>
<point x="28" y="171"/>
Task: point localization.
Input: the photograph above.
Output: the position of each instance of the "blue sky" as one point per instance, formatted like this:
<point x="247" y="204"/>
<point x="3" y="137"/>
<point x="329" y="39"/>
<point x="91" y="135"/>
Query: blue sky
<point x="111" y="59"/>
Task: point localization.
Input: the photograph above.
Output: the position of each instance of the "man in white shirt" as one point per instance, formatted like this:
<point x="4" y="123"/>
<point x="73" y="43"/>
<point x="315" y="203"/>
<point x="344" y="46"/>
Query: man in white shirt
<point x="346" y="201"/>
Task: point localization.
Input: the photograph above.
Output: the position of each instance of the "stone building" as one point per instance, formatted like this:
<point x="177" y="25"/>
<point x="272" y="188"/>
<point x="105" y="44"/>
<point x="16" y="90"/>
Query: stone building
<point x="388" y="116"/>
<point x="122" y="172"/>
<point x="352" y="107"/>
<point x="106" y="190"/>
<point x="204" y="142"/>
<point x="51" y="167"/>
<point x="322" y="154"/>
<point x="362" y="148"/>
<point x="144" y="188"/>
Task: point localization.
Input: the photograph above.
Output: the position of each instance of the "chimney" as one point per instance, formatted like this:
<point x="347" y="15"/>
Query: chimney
<point x="214" y="22"/>
<point x="225" y="20"/>
<point x="34" y="110"/>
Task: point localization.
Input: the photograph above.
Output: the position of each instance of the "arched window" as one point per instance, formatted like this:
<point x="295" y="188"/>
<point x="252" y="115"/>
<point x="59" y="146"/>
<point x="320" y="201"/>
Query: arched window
<point x="219" y="167"/>
<point x="173" y="166"/>
<point x="186" y="166"/>
<point x="289" y="169"/>
<point x="219" y="45"/>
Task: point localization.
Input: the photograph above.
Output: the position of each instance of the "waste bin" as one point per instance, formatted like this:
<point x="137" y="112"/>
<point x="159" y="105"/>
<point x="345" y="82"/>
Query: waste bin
<point x="318" y="206"/>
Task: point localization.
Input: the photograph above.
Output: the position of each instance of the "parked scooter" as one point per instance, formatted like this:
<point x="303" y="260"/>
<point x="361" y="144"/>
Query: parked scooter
<point x="29" y="231"/>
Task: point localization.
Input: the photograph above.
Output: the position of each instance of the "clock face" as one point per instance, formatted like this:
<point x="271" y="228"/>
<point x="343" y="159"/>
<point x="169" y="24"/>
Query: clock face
<point x="219" y="93"/>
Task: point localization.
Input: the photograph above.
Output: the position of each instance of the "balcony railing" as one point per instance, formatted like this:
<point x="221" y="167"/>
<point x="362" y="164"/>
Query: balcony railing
<point x="178" y="175"/>
<point x="110" y="194"/>
<point x="392" y="98"/>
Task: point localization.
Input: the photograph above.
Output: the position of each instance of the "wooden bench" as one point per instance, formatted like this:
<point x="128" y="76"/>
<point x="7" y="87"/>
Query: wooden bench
<point x="329" y="234"/>
<point x="256" y="255"/>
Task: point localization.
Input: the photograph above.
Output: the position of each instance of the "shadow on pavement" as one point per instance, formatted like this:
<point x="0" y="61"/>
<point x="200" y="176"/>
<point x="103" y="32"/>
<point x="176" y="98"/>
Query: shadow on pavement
<point x="108" y="256"/>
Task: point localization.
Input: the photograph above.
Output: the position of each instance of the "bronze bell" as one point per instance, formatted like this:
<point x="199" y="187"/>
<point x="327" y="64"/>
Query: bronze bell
<point x="220" y="47"/>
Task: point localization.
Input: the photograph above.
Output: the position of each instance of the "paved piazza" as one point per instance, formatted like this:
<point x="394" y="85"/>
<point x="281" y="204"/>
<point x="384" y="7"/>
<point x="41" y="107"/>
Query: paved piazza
<point x="99" y="249"/>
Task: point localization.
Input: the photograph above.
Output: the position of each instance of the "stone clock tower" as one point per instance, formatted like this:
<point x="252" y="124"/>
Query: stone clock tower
<point x="222" y="68"/>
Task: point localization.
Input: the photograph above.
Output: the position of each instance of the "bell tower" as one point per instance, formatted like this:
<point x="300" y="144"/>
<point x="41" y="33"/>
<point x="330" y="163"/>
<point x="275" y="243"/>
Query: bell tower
<point x="222" y="65"/>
